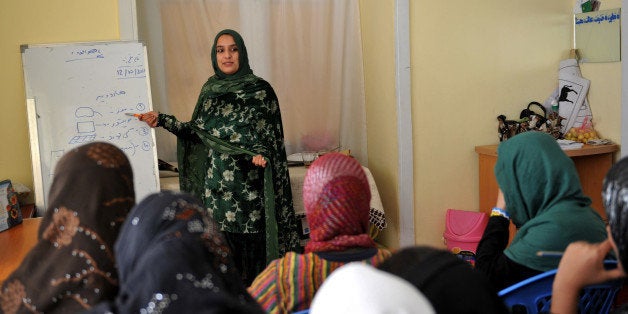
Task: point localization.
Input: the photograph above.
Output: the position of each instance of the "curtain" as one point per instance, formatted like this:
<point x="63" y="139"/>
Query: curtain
<point x="309" y="50"/>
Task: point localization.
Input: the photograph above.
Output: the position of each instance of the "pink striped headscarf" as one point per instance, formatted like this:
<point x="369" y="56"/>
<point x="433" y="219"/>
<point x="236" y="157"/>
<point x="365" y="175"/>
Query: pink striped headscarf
<point x="337" y="197"/>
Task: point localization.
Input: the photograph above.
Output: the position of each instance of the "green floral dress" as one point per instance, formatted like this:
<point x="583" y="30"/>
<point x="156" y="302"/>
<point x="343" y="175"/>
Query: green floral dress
<point x="215" y="152"/>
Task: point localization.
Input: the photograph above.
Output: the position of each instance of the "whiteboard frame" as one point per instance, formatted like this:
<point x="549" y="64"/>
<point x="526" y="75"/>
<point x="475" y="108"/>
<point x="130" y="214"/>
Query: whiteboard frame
<point x="149" y="97"/>
<point x="33" y="133"/>
<point x="33" y="129"/>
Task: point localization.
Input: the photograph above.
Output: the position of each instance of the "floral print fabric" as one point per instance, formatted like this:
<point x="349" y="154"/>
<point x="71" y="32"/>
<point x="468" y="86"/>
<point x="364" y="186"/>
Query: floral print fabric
<point x="233" y="187"/>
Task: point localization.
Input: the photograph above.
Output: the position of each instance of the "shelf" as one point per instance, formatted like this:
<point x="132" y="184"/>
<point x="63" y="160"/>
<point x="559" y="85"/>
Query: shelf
<point x="586" y="150"/>
<point x="591" y="161"/>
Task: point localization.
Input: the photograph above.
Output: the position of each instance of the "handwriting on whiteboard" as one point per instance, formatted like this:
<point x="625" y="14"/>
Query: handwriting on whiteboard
<point x="111" y="125"/>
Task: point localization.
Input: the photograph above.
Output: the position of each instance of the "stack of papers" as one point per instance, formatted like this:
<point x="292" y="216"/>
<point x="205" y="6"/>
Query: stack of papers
<point x="567" y="144"/>
<point x="599" y="141"/>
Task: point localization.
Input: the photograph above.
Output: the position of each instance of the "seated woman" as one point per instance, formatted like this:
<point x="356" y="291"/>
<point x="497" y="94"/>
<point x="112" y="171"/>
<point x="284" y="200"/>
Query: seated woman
<point x="173" y="258"/>
<point x="540" y="193"/>
<point x="336" y="196"/>
<point x="449" y="283"/>
<point x="364" y="289"/>
<point x="72" y="267"/>
<point x="583" y="263"/>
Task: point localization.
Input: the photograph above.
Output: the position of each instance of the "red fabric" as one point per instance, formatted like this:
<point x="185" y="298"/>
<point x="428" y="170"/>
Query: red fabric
<point x="336" y="196"/>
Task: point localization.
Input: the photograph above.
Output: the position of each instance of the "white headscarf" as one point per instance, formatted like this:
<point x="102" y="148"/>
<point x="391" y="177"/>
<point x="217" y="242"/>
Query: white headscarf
<point x="361" y="288"/>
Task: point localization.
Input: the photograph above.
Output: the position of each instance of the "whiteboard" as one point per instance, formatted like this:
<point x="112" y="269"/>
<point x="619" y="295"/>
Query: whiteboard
<point x="78" y="93"/>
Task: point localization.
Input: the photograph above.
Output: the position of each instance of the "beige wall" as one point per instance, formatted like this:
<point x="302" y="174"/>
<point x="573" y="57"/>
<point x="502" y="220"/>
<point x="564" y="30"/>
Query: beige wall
<point x="377" y="18"/>
<point x="471" y="61"/>
<point x="32" y="22"/>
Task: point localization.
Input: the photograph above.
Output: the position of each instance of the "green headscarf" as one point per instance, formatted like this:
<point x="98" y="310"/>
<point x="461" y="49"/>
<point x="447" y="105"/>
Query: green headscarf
<point x="544" y="199"/>
<point x="242" y="81"/>
<point x="244" y="68"/>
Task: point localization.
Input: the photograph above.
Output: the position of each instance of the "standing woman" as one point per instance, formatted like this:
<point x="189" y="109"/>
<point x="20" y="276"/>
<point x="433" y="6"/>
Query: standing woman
<point x="231" y="155"/>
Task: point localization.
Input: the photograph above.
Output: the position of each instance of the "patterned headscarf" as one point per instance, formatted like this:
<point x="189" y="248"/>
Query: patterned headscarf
<point x="336" y="197"/>
<point x="615" y="199"/>
<point x="72" y="267"/>
<point x="243" y="81"/>
<point x="173" y="259"/>
<point x="243" y="60"/>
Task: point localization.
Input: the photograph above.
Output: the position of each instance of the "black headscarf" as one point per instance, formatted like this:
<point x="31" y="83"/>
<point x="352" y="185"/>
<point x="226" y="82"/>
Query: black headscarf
<point x="615" y="200"/>
<point x="451" y="285"/>
<point x="172" y="258"/>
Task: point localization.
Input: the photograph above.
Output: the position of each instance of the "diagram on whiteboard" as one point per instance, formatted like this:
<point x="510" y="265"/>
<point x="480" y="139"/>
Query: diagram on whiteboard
<point x="83" y="92"/>
<point x="92" y="125"/>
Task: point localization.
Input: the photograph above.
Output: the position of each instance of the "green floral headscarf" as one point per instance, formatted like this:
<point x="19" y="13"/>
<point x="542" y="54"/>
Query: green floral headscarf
<point x="242" y="81"/>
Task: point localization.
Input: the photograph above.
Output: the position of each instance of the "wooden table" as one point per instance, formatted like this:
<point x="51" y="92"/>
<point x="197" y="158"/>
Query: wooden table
<point x="15" y="243"/>
<point x="592" y="163"/>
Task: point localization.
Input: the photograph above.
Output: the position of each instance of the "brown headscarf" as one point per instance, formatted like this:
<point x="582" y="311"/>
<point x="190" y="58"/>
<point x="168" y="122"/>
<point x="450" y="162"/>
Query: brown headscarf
<point x="72" y="266"/>
<point x="336" y="197"/>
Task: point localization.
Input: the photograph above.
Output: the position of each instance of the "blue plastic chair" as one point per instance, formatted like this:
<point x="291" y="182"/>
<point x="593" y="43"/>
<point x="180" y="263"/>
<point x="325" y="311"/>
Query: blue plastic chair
<point x="534" y="295"/>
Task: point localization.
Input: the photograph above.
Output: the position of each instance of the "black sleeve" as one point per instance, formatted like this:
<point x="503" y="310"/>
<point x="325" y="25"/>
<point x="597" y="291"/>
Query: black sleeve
<point x="491" y="260"/>
<point x="174" y="126"/>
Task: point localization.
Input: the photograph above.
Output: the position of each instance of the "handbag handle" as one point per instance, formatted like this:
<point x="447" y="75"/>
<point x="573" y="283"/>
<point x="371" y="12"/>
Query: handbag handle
<point x="526" y="113"/>
<point x="529" y="114"/>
